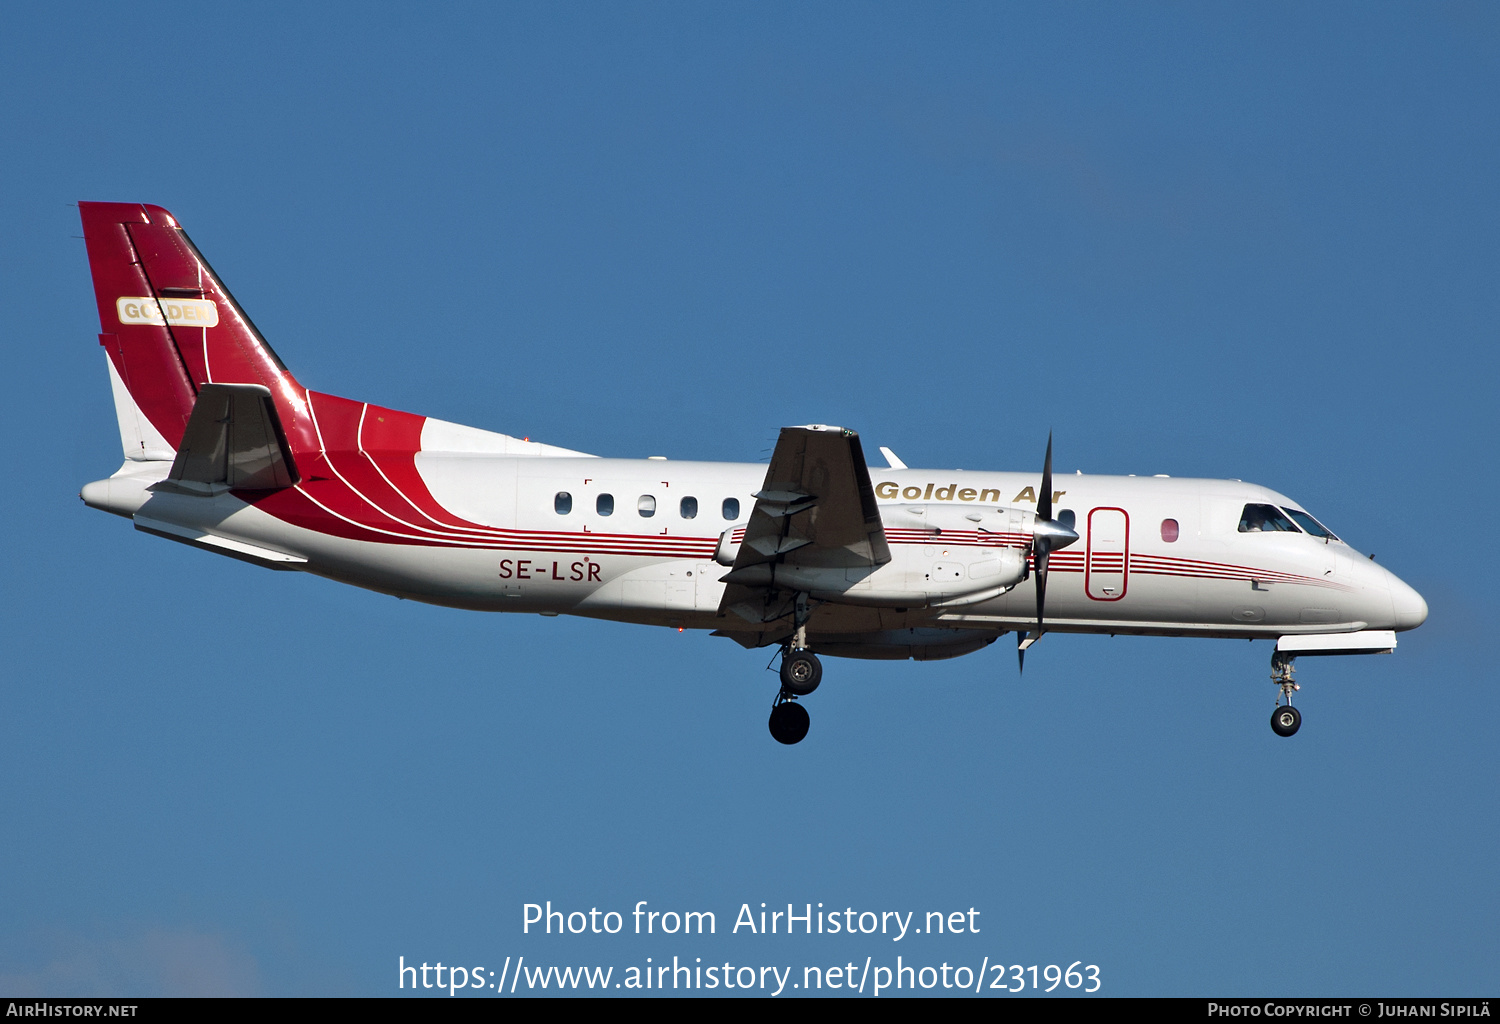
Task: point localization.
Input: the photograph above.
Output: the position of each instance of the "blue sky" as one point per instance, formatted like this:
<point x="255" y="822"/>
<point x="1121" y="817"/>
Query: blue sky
<point x="1207" y="240"/>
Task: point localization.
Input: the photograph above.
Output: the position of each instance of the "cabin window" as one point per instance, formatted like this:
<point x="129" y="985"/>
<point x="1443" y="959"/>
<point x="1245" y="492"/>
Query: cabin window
<point x="689" y="508"/>
<point x="562" y="504"/>
<point x="605" y="504"/>
<point x="1068" y="518"/>
<point x="646" y="505"/>
<point x="1169" y="530"/>
<point x="1310" y="524"/>
<point x="1265" y="519"/>
<point x="731" y="508"/>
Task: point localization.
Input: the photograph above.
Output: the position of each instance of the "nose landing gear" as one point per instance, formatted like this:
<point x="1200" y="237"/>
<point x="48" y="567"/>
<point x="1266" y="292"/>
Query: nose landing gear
<point x="1285" y="720"/>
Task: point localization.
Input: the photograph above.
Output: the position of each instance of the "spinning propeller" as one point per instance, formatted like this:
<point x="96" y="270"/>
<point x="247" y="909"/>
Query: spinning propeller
<point x="1047" y="536"/>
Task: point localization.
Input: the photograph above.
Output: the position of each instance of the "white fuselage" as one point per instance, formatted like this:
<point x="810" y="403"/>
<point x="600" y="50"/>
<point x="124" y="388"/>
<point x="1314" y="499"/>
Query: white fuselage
<point x="1154" y="555"/>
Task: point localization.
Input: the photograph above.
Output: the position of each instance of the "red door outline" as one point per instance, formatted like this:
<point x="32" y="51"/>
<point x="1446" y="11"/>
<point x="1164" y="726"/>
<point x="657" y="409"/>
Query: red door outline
<point x="1088" y="563"/>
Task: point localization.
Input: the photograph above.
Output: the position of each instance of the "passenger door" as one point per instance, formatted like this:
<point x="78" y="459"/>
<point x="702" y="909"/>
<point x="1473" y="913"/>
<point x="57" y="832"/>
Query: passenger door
<point x="1107" y="571"/>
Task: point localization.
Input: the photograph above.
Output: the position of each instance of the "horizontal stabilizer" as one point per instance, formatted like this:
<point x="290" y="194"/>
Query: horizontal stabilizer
<point x="252" y="553"/>
<point x="233" y="441"/>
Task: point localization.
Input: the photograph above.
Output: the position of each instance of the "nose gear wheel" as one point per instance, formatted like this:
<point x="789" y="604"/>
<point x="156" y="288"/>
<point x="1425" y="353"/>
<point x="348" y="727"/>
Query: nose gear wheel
<point x="1285" y="720"/>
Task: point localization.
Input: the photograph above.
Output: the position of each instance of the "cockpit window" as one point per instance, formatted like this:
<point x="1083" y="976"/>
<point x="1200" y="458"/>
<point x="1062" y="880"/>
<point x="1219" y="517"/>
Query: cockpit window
<point x="1265" y="519"/>
<point x="1310" y="524"/>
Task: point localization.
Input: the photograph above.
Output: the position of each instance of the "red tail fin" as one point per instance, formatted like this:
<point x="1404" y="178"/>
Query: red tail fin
<point x="170" y="326"/>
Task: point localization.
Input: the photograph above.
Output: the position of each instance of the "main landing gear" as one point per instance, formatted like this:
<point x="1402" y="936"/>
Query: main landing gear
<point x="1285" y="720"/>
<point x="789" y="720"/>
<point x="801" y="672"/>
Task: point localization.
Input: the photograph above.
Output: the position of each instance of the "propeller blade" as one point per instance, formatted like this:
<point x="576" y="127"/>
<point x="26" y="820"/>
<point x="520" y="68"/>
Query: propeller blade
<point x="1044" y="500"/>
<point x="1042" y="542"/>
<point x="1041" y="588"/>
<point x="1046" y="536"/>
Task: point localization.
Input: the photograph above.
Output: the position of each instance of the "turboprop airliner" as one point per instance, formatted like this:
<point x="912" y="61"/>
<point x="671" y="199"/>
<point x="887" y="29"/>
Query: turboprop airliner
<point x="814" y="554"/>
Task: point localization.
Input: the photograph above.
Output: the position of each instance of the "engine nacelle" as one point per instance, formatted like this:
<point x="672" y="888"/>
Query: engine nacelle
<point x="941" y="556"/>
<point x="729" y="544"/>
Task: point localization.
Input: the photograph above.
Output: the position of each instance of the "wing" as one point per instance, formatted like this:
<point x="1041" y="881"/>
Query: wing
<point x="815" y="525"/>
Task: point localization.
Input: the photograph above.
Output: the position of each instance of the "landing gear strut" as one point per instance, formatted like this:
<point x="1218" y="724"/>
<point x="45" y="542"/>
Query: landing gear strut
<point x="801" y="672"/>
<point x="1285" y="720"/>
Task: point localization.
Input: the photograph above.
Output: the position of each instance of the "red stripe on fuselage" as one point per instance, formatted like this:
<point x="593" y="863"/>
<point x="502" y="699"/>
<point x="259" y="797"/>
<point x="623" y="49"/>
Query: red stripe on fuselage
<point x="364" y="485"/>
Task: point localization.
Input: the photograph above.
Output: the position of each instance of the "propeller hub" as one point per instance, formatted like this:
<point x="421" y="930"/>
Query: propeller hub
<point x="1052" y="535"/>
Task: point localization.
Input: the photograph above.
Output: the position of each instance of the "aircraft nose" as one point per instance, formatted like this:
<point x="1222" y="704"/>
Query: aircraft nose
<point x="1410" y="610"/>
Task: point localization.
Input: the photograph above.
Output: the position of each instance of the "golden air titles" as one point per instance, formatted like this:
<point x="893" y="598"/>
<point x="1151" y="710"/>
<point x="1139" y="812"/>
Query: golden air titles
<point x="890" y="490"/>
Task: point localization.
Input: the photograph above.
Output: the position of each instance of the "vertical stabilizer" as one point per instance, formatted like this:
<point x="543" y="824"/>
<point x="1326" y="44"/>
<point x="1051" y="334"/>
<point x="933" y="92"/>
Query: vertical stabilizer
<point x="169" y="326"/>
